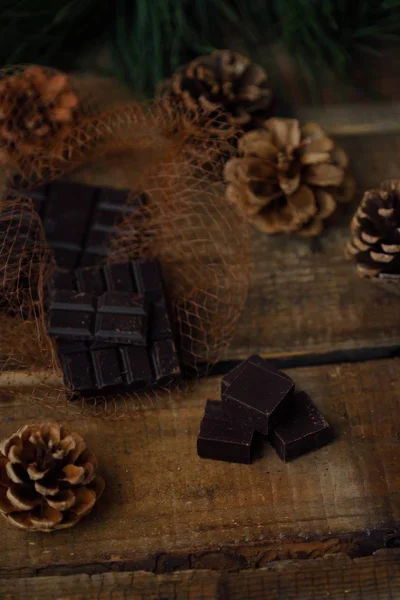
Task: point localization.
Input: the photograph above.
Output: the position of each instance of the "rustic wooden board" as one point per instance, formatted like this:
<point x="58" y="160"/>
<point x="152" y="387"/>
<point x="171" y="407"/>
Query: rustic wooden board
<point x="357" y="119"/>
<point x="165" y="508"/>
<point x="305" y="297"/>
<point x="367" y="578"/>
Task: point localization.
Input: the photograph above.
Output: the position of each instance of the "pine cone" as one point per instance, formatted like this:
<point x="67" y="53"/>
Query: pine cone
<point x="375" y="241"/>
<point x="222" y="81"/>
<point x="37" y="108"/>
<point x="288" y="178"/>
<point x="48" y="478"/>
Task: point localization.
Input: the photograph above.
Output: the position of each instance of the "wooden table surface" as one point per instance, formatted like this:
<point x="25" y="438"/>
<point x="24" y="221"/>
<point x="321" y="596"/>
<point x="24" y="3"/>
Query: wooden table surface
<point x="192" y="524"/>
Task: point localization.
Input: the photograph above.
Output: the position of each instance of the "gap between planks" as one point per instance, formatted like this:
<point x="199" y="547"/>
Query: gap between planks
<point x="373" y="577"/>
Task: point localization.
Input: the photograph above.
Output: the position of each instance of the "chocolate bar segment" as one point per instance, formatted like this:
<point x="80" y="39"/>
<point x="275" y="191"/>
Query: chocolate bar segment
<point x="66" y="217"/>
<point x="148" y="277"/>
<point x="136" y="366"/>
<point x="303" y="430"/>
<point x="119" y="278"/>
<point x="159" y="321"/>
<point x="71" y="315"/>
<point x="121" y="318"/>
<point x="77" y="366"/>
<point x="107" y="370"/>
<point x="62" y="280"/>
<point x="257" y="397"/>
<point x="220" y="438"/>
<point x="79" y="220"/>
<point x="91" y="281"/>
<point x="164" y="361"/>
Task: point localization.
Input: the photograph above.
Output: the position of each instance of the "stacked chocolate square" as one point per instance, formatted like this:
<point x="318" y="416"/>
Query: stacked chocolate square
<point x="112" y="327"/>
<point x="259" y="399"/>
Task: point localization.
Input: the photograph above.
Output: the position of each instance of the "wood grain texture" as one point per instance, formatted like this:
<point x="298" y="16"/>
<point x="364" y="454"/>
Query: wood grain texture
<point x="305" y="297"/>
<point x="164" y="508"/>
<point x="354" y="119"/>
<point x="371" y="578"/>
<point x="337" y="577"/>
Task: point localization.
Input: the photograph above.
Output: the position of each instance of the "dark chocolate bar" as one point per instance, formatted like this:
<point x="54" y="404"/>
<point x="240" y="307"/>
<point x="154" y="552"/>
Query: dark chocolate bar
<point x="303" y="430"/>
<point x="79" y="220"/>
<point x="257" y="397"/>
<point x="222" y="439"/>
<point x="109" y="359"/>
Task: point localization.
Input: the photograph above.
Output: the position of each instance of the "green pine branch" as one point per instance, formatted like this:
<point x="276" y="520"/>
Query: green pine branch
<point x="149" y="39"/>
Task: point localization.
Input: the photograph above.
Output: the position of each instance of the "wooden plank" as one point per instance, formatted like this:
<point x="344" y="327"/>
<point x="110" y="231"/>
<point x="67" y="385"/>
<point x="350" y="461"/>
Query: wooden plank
<point x="305" y="297"/>
<point x="334" y="577"/>
<point x="165" y="508"/>
<point x="354" y="119"/>
<point x="372" y="578"/>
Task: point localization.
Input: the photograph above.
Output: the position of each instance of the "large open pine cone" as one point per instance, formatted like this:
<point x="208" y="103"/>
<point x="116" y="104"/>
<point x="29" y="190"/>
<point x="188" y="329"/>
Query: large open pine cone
<point x="288" y="178"/>
<point x="222" y="81"/>
<point x="375" y="240"/>
<point x="37" y="107"/>
<point x="48" y="478"/>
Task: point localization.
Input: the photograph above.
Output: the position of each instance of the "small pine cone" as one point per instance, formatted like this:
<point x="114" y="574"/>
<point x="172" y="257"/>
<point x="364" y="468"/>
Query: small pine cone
<point x="375" y="240"/>
<point x="223" y="82"/>
<point x="37" y="109"/>
<point x="48" y="478"/>
<point x="288" y="178"/>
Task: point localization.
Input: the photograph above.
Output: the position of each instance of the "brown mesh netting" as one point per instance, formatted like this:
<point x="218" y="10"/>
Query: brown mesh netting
<point x="201" y="242"/>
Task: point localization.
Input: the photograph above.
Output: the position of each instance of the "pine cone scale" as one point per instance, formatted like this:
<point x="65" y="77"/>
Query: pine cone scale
<point x="324" y="175"/>
<point x="62" y="501"/>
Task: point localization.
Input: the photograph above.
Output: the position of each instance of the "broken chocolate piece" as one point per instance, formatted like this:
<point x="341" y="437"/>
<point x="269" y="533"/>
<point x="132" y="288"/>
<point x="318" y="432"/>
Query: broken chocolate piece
<point x="304" y="429"/>
<point x="121" y="318"/>
<point x="257" y="397"/>
<point x="220" y="438"/>
<point x="255" y="359"/>
<point x="71" y="315"/>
